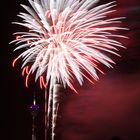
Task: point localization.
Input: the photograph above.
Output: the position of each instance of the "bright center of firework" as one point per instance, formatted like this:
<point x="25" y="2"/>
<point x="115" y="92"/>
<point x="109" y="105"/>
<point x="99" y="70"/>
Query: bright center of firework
<point x="56" y="34"/>
<point x="54" y="40"/>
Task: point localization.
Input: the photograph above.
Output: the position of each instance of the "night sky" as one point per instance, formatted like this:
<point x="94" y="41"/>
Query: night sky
<point x="110" y="107"/>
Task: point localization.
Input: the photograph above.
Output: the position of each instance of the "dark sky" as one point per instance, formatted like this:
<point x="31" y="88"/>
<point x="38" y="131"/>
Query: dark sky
<point x="109" y="108"/>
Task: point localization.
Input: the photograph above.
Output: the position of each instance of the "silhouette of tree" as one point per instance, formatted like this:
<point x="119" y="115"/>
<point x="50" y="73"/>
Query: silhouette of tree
<point x="116" y="138"/>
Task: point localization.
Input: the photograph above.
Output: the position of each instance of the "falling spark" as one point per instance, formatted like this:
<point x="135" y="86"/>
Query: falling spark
<point x="67" y="38"/>
<point x="57" y="93"/>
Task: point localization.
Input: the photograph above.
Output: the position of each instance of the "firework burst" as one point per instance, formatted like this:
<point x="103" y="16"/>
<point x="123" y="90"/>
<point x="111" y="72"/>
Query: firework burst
<point x="67" y="38"/>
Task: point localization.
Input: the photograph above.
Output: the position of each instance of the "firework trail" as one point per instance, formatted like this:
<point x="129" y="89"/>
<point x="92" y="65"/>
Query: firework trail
<point x="67" y="38"/>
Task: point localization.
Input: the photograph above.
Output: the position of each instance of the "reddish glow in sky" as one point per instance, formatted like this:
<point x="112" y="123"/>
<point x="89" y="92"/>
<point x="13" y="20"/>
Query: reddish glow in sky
<point x="110" y="107"/>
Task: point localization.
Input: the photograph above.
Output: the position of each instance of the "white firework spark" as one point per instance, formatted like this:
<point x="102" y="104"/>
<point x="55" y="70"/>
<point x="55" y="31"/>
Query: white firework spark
<point x="67" y="38"/>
